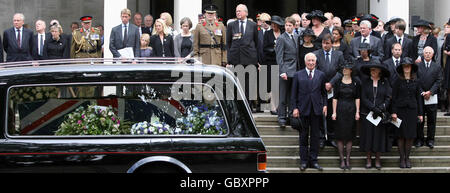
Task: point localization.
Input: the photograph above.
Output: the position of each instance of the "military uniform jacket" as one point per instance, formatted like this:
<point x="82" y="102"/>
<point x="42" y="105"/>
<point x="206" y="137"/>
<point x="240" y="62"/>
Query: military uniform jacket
<point x="210" y="43"/>
<point x="86" y="44"/>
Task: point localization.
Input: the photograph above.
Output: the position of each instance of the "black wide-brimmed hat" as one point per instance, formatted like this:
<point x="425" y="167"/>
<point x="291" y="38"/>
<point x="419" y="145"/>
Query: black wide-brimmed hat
<point x="423" y="23"/>
<point x="309" y="32"/>
<point x="405" y="61"/>
<point x="277" y="20"/>
<point x="375" y="64"/>
<point x="371" y="18"/>
<point x="364" y="46"/>
<point x="316" y="14"/>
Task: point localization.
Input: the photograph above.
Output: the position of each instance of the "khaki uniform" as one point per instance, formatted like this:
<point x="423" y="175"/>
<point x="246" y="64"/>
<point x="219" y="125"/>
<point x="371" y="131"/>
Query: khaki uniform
<point x="210" y="43"/>
<point x="86" y="44"/>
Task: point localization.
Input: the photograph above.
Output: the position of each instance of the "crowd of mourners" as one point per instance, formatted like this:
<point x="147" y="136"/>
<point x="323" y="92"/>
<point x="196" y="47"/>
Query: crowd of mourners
<point x="337" y="80"/>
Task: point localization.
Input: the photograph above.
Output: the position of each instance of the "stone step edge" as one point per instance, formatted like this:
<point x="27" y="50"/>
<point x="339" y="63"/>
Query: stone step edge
<point x="362" y="169"/>
<point x="356" y="157"/>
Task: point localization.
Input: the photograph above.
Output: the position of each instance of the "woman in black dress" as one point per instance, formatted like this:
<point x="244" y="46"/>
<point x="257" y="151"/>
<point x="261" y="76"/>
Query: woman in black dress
<point x="270" y="59"/>
<point x="406" y="106"/>
<point x="56" y="47"/>
<point x="317" y="18"/>
<point x="376" y="97"/>
<point x="346" y="103"/>
<point x="305" y="48"/>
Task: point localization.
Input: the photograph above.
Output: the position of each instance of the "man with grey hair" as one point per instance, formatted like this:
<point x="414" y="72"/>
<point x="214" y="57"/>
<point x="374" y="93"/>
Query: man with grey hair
<point x="305" y="21"/>
<point x="39" y="40"/>
<point x="309" y="101"/>
<point x="18" y="41"/>
<point x="375" y="43"/>
<point x="298" y="23"/>
<point x="148" y="25"/>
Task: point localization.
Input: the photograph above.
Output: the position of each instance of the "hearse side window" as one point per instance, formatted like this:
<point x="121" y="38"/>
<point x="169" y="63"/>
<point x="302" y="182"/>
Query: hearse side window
<point x="112" y="110"/>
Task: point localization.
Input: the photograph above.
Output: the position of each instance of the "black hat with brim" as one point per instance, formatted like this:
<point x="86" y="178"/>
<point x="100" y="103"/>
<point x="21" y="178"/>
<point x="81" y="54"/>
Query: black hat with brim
<point x="371" y="19"/>
<point x="309" y="32"/>
<point x="317" y="14"/>
<point x="277" y="20"/>
<point x="376" y="64"/>
<point x="406" y="61"/>
<point x="423" y="23"/>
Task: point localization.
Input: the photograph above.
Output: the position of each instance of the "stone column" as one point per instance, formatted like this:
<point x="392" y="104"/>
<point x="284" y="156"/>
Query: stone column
<point x="111" y="19"/>
<point x="386" y="9"/>
<point x="441" y="14"/>
<point x="183" y="8"/>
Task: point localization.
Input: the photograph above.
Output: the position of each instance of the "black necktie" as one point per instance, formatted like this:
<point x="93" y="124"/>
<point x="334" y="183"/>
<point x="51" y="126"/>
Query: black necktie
<point x="364" y="40"/>
<point x="242" y="27"/>
<point x="397" y="62"/>
<point x="125" y="37"/>
<point x="296" y="31"/>
<point x="293" y="40"/>
<point x="310" y="75"/>
<point x="400" y="41"/>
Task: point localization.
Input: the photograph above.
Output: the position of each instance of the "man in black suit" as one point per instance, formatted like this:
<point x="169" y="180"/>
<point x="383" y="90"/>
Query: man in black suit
<point x="286" y="54"/>
<point x="39" y="40"/>
<point x="148" y="25"/>
<point x="329" y="62"/>
<point x="430" y="76"/>
<point x="18" y="41"/>
<point x="375" y="43"/>
<point x="309" y="100"/>
<point x="399" y="37"/>
<point x="394" y="61"/>
<point x="242" y="43"/>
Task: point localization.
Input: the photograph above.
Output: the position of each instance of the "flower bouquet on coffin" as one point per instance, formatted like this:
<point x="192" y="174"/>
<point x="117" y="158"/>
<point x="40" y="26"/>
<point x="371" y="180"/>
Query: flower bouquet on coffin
<point x="154" y="127"/>
<point x="202" y="120"/>
<point x="30" y="94"/>
<point x="93" y="120"/>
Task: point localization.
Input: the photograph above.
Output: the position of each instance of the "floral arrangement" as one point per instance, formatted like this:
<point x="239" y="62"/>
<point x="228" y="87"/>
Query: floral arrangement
<point x="200" y="120"/>
<point x="154" y="127"/>
<point x="93" y="120"/>
<point x="30" y="94"/>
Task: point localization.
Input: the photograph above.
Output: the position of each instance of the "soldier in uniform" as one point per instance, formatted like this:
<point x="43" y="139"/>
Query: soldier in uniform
<point x="86" y="41"/>
<point x="210" y="39"/>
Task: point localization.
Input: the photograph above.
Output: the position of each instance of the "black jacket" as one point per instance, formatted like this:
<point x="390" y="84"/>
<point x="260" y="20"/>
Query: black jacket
<point x="35" y="52"/>
<point x="332" y="74"/>
<point x="159" y="49"/>
<point x="390" y="65"/>
<point x="407" y="94"/>
<point x="430" y="79"/>
<point x="242" y="50"/>
<point x="431" y="41"/>
<point x="382" y="99"/>
<point x="56" y="49"/>
<point x="407" y="47"/>
<point x="13" y="51"/>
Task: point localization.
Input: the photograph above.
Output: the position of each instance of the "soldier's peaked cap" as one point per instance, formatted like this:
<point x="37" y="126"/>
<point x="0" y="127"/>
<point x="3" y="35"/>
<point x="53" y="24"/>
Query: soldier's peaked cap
<point x="86" y="19"/>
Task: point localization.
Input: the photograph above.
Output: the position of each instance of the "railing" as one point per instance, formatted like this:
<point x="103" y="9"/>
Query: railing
<point x="100" y="61"/>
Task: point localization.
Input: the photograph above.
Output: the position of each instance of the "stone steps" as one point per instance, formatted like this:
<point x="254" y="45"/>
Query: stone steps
<point x="283" y="152"/>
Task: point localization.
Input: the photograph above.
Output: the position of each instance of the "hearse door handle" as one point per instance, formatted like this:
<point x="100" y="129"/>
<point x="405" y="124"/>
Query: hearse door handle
<point x="92" y="75"/>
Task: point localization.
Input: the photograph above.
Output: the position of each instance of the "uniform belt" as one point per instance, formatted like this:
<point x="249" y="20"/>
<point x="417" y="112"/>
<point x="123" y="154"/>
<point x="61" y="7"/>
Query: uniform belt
<point x="89" y="52"/>
<point x="210" y="46"/>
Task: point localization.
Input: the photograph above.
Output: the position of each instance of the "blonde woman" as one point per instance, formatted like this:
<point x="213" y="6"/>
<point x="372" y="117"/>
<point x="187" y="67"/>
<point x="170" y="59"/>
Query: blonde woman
<point x="422" y="40"/>
<point x="169" y="23"/>
<point x="146" y="50"/>
<point x="56" y="47"/>
<point x="161" y="41"/>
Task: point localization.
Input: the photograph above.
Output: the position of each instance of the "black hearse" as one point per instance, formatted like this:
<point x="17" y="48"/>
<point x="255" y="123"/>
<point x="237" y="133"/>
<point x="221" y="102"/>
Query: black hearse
<point x="102" y="116"/>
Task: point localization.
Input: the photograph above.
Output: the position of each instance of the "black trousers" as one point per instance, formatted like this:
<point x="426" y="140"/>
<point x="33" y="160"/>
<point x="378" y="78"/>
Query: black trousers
<point x="284" y="108"/>
<point x="330" y="127"/>
<point x="430" y="111"/>
<point x="311" y="127"/>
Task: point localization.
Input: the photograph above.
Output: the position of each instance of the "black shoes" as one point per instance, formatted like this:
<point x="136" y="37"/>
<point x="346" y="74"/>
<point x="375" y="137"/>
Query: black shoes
<point x="303" y="167"/>
<point x="282" y="123"/>
<point x="333" y="144"/>
<point x="447" y="114"/>
<point x="419" y="143"/>
<point x="430" y="144"/>
<point x="273" y="113"/>
<point x="317" y="166"/>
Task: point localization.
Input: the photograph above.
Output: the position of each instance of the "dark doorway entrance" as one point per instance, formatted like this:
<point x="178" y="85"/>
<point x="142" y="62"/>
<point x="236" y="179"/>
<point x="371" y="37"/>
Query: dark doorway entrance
<point x="345" y="9"/>
<point x="159" y="6"/>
